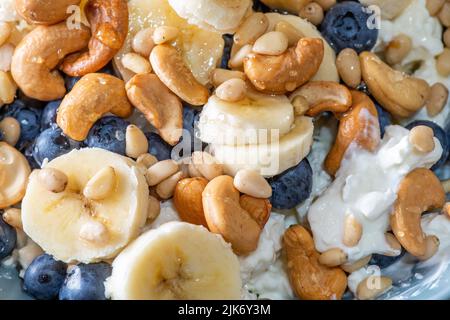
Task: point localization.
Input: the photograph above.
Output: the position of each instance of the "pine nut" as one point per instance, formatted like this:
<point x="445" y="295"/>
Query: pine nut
<point x="398" y="49"/>
<point x="446" y="185"/>
<point x="251" y="29"/>
<point x="166" y="188"/>
<point x="136" y="142"/>
<point x="232" y="90"/>
<point x="52" y="179"/>
<point x="326" y="4"/>
<point x="5" y="32"/>
<point x="207" y="165"/>
<point x="291" y="32"/>
<point x="28" y="253"/>
<point x="444" y="15"/>
<point x="219" y="76"/>
<point x="143" y="42"/>
<point x="349" y="67"/>
<point x="372" y="287"/>
<point x="165" y="34"/>
<point x="237" y="60"/>
<point x="355" y="266"/>
<point x="94" y="231"/>
<point x="437" y="99"/>
<point x="434" y="6"/>
<point x="193" y="172"/>
<point x="422" y="139"/>
<point x="446" y="37"/>
<point x="6" y="54"/>
<point x="432" y="246"/>
<point x="13" y="217"/>
<point x="443" y="63"/>
<point x="352" y="231"/>
<point x="101" y="185"/>
<point x="161" y="171"/>
<point x="136" y="63"/>
<point x="313" y="13"/>
<point x="10" y="128"/>
<point x="272" y="43"/>
<point x="393" y="242"/>
<point x="300" y="104"/>
<point x="154" y="208"/>
<point x="446" y="209"/>
<point x="250" y="182"/>
<point x="333" y="257"/>
<point x="7" y="88"/>
<point x="147" y="160"/>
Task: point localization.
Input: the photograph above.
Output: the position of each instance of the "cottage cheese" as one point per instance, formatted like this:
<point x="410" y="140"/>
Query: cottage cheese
<point x="438" y="225"/>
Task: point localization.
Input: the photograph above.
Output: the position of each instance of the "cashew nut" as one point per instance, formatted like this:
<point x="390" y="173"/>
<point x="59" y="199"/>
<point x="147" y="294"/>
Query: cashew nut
<point x="386" y="84"/>
<point x="168" y="64"/>
<point x="418" y="192"/>
<point x="187" y="199"/>
<point x="309" y="278"/>
<point x="258" y="208"/>
<point x="225" y="215"/>
<point x="325" y="96"/>
<point x="44" y="12"/>
<point x="39" y="52"/>
<point x="293" y="6"/>
<point x="109" y="26"/>
<point x="285" y="72"/>
<point x="93" y="96"/>
<point x="360" y="125"/>
<point x="160" y="106"/>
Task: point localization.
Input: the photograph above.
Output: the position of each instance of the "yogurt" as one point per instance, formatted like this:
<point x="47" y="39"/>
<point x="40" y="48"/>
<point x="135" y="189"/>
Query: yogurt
<point x="438" y="225"/>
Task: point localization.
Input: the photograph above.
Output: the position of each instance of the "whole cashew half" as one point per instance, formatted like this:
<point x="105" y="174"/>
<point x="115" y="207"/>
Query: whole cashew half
<point x="44" y="12"/>
<point x="109" y="26"/>
<point x="418" y="192"/>
<point x="38" y="54"/>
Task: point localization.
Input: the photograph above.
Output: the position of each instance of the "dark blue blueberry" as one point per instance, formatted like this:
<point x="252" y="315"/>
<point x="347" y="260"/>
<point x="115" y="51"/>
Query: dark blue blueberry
<point x="30" y="102"/>
<point x="49" y="114"/>
<point x="28" y="153"/>
<point x="292" y="187"/>
<point x="228" y="38"/>
<point x="44" y="277"/>
<point x="350" y="25"/>
<point x="86" y="282"/>
<point x="2" y="136"/>
<point x="8" y="238"/>
<point x="191" y="117"/>
<point x="440" y="134"/>
<point x="158" y="147"/>
<point x="384" y="118"/>
<point x="71" y="82"/>
<point x="259" y="6"/>
<point x="108" y="69"/>
<point x="52" y="143"/>
<point x="29" y="119"/>
<point x="108" y="133"/>
<point x="385" y="261"/>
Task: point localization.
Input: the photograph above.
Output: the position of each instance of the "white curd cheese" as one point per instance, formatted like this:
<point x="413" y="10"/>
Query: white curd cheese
<point x="366" y="187"/>
<point x="438" y="225"/>
<point x="168" y="214"/>
<point x="355" y="278"/>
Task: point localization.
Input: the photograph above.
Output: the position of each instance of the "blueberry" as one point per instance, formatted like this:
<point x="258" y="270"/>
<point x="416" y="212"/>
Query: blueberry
<point x="158" y="147"/>
<point x="44" y="277"/>
<point x="49" y="114"/>
<point x="108" y="133"/>
<point x="86" y="282"/>
<point x="228" y="38"/>
<point x="383" y="261"/>
<point x="191" y="117"/>
<point x="348" y="25"/>
<point x="52" y="143"/>
<point x="384" y="118"/>
<point x="259" y="6"/>
<point x="28" y="153"/>
<point x="440" y="134"/>
<point x="29" y="119"/>
<point x="8" y="238"/>
<point x="108" y="69"/>
<point x="292" y="187"/>
<point x="71" y="82"/>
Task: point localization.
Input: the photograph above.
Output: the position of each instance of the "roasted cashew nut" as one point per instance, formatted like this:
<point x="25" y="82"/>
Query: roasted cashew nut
<point x="285" y="72"/>
<point x="400" y="94"/>
<point x="44" y="12"/>
<point x="359" y="125"/>
<point x="310" y="279"/>
<point x="109" y="26"/>
<point x="38" y="54"/>
<point x="225" y="215"/>
<point x="93" y="96"/>
<point x="418" y="192"/>
<point x="324" y="96"/>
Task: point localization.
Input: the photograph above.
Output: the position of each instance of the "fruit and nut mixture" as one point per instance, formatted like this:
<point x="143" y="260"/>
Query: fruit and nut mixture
<point x="212" y="149"/>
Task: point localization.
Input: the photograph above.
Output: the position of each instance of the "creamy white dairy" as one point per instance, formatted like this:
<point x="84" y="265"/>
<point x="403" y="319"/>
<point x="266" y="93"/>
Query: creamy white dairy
<point x="366" y="187"/>
<point x="438" y="225"/>
<point x="7" y="11"/>
<point x="355" y="278"/>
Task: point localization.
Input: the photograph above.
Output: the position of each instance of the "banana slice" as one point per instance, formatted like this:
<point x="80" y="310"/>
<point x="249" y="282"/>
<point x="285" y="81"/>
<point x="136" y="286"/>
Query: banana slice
<point x="72" y="228"/>
<point x="201" y="49"/>
<point x="246" y="121"/>
<point x="270" y="159"/>
<point x="178" y="260"/>
<point x="327" y="70"/>
<point x="223" y="16"/>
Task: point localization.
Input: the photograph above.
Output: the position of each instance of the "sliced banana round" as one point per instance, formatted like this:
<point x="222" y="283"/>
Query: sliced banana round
<point x="73" y="228"/>
<point x="14" y="172"/>
<point x="269" y="159"/>
<point x="327" y="70"/>
<point x="177" y="261"/>
<point x="247" y="121"/>
<point x="223" y="16"/>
